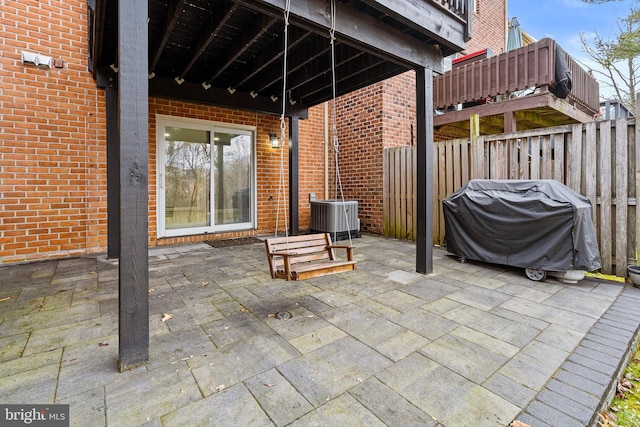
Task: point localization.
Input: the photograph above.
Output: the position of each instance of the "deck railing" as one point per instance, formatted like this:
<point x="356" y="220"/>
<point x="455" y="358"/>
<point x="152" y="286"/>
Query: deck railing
<point x="531" y="66"/>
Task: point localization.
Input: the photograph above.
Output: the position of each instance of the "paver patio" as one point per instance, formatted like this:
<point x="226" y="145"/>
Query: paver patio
<point x="469" y="345"/>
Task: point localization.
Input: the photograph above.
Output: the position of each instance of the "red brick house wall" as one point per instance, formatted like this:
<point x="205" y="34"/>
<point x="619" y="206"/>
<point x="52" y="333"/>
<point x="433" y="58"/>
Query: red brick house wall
<point x="52" y="156"/>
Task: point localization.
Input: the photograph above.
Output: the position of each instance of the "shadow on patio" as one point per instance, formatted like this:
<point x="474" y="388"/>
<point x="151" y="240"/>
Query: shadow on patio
<point x="469" y="345"/>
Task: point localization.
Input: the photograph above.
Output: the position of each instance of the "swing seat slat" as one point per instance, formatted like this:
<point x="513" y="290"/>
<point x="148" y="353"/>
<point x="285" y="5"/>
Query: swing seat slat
<point x="306" y="256"/>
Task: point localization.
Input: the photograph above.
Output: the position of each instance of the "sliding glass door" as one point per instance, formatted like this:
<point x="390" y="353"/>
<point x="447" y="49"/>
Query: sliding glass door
<point x="206" y="180"/>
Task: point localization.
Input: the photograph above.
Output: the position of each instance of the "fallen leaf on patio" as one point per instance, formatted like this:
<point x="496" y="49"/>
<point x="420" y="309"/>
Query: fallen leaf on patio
<point x="103" y="344"/>
<point x="244" y="310"/>
<point x="219" y="388"/>
<point x="150" y="290"/>
<point x="518" y="424"/>
<point x="166" y="316"/>
<point x="5" y="299"/>
<point x="92" y="272"/>
<point x="269" y="385"/>
<point x="205" y="284"/>
<point x="187" y="358"/>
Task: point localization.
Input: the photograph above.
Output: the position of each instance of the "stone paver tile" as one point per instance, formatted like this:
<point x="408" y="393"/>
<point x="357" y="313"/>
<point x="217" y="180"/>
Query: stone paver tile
<point x="193" y="315"/>
<point x="34" y="361"/>
<point x="331" y="370"/>
<point x="440" y="306"/>
<point x="342" y="411"/>
<point x="525" y="292"/>
<point x="169" y="348"/>
<point x="405" y="277"/>
<point x="16" y="323"/>
<point x="389" y="406"/>
<point x="571" y="320"/>
<point x="87" y="408"/>
<point x="573" y="393"/>
<point x="449" y="398"/>
<point x="363" y="325"/>
<point x="232" y="407"/>
<point x="62" y="336"/>
<point x="425" y="323"/>
<point x="520" y="318"/>
<point x="313" y="340"/>
<point x="343" y="295"/>
<point x="141" y="398"/>
<point x="534" y="365"/>
<point x="95" y="359"/>
<point x="377" y="308"/>
<point x="302" y="321"/>
<point x="12" y="346"/>
<point x="565" y="405"/>
<point x="552" y="416"/>
<point x="478" y="297"/>
<point x="277" y="397"/>
<point x="430" y="289"/>
<point x="33" y="386"/>
<point x="240" y="360"/>
<point x="507" y="330"/>
<point x="401" y="345"/>
<point x="462" y="352"/>
<point x="235" y="328"/>
<point x="398" y="300"/>
<point x="559" y="337"/>
<point x="509" y="389"/>
<point x="577" y="301"/>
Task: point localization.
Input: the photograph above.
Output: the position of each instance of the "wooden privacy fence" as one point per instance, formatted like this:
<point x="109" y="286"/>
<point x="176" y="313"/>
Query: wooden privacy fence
<point x="598" y="160"/>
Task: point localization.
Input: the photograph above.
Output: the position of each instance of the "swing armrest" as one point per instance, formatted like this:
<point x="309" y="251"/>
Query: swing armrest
<point x="348" y="248"/>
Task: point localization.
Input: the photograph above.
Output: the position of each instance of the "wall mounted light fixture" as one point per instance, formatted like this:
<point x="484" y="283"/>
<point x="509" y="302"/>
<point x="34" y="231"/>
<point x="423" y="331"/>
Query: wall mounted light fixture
<point x="273" y="139"/>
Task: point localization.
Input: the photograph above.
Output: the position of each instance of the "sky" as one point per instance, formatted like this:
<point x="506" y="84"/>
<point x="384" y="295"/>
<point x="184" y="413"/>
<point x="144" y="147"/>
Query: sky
<point x="564" y="20"/>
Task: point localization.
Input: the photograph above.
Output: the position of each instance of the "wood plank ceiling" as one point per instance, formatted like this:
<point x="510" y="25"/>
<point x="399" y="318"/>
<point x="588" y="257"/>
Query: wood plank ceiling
<point x="237" y="46"/>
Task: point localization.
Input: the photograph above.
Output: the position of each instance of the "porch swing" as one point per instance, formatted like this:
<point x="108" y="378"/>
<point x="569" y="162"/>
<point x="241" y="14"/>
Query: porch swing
<point x="311" y="255"/>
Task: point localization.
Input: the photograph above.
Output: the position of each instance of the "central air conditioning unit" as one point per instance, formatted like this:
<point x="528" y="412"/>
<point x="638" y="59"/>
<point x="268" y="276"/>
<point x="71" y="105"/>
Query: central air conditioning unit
<point x="340" y="218"/>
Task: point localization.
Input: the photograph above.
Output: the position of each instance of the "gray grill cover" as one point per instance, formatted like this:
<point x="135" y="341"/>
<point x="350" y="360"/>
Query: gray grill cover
<point x="522" y="223"/>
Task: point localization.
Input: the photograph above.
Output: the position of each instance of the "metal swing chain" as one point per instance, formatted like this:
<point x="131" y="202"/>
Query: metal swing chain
<point x="336" y="142"/>
<point x="283" y="125"/>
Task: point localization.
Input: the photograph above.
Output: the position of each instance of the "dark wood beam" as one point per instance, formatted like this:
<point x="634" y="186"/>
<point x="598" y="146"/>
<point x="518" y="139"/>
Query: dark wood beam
<point x="426" y="17"/>
<point x="108" y="80"/>
<point x="133" y="117"/>
<point x="270" y="55"/>
<point x="356" y="29"/>
<point x="261" y="25"/>
<point x="194" y="92"/>
<point x="424" y="170"/>
<point x="218" y="20"/>
<point x="173" y="13"/>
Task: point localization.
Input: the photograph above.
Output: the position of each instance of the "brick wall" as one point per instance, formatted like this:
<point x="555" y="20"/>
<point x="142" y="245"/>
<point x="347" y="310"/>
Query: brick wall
<point x="489" y="27"/>
<point x="52" y="155"/>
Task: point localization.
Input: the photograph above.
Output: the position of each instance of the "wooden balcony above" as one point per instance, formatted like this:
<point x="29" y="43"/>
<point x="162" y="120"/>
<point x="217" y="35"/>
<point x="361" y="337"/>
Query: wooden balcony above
<point x="514" y="91"/>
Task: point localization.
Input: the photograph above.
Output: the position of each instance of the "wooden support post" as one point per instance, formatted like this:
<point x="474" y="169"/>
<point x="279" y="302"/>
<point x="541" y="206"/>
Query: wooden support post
<point x="134" y="159"/>
<point x="294" y="130"/>
<point x="424" y="170"/>
<point x="637" y="181"/>
<point x="477" y="155"/>
<point x="113" y="167"/>
<point x="510" y="124"/>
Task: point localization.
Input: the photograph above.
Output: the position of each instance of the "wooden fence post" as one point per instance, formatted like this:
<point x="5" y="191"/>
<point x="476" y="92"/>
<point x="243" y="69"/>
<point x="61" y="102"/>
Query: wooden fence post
<point x="477" y="160"/>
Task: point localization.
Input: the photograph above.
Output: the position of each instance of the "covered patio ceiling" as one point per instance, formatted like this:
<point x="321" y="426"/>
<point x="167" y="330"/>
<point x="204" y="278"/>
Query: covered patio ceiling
<point x="231" y="52"/>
